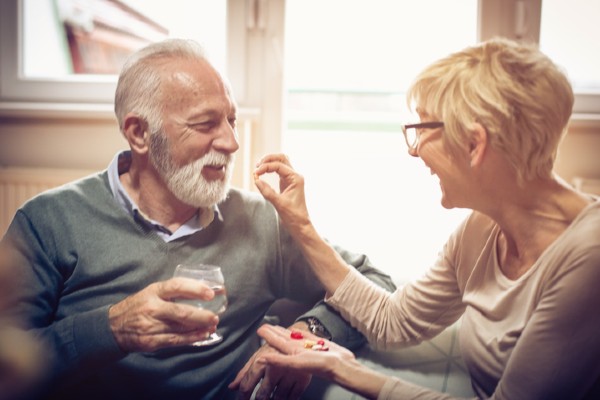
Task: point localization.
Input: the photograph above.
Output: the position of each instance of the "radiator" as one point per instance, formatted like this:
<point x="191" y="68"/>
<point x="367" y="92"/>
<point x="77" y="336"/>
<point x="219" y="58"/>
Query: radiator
<point x="20" y="184"/>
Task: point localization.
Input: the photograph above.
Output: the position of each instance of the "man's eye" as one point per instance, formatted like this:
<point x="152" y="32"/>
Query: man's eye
<point x="232" y="121"/>
<point x="203" y="126"/>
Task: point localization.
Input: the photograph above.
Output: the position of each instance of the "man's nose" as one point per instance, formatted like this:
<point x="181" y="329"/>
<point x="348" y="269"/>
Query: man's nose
<point x="227" y="140"/>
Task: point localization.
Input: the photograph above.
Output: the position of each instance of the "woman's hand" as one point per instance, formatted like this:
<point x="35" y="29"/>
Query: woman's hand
<point x="290" y="202"/>
<point x="326" y="263"/>
<point x="296" y="355"/>
<point x="333" y="362"/>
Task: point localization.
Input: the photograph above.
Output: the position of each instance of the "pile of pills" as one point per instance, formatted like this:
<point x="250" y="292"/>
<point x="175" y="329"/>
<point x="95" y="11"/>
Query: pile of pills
<point x="318" y="345"/>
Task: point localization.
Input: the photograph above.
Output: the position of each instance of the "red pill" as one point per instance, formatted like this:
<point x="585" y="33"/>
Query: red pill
<point x="296" y="335"/>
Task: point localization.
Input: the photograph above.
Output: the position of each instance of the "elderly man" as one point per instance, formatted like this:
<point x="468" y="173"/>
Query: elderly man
<point x="97" y="256"/>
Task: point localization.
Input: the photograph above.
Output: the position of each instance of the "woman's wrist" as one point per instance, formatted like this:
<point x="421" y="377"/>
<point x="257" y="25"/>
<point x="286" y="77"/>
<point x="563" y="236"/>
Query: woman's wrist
<point x="354" y="376"/>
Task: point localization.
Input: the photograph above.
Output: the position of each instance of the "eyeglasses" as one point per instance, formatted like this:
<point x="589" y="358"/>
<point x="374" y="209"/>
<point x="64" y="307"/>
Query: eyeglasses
<point x="412" y="132"/>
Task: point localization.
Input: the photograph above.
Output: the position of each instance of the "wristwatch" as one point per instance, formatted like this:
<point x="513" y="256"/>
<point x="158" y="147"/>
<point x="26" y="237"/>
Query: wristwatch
<point x="316" y="328"/>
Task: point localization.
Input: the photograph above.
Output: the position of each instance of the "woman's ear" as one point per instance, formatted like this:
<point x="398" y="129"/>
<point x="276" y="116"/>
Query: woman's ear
<point x="478" y="141"/>
<point x="135" y="130"/>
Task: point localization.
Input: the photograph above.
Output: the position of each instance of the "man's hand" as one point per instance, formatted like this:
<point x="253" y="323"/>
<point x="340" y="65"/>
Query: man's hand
<point x="277" y="382"/>
<point x="149" y="320"/>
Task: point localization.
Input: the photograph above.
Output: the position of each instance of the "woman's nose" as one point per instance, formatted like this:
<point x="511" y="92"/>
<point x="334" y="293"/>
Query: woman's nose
<point x="413" y="151"/>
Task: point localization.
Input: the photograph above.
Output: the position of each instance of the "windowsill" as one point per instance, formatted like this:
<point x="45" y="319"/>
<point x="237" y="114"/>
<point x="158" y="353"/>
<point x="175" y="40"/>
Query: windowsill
<point x="104" y="111"/>
<point x="580" y="120"/>
<point x="57" y="110"/>
<point x="91" y="111"/>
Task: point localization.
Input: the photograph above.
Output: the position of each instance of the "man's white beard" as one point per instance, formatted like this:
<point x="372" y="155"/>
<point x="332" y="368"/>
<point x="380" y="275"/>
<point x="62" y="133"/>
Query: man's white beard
<point x="187" y="183"/>
<point x="189" y="186"/>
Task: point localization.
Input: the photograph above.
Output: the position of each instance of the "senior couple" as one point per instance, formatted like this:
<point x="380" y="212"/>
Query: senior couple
<point x="95" y="258"/>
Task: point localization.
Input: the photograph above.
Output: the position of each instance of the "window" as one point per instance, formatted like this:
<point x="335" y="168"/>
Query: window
<point x="61" y="35"/>
<point x="345" y="78"/>
<point x="568" y="34"/>
<point x="36" y="43"/>
<point x="345" y="82"/>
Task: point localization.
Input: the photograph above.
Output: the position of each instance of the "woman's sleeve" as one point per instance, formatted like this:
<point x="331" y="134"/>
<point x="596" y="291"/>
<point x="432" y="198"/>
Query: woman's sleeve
<point x="398" y="389"/>
<point x="411" y="314"/>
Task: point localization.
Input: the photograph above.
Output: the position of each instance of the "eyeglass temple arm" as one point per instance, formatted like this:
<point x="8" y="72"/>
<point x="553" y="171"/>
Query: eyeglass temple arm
<point x="433" y="124"/>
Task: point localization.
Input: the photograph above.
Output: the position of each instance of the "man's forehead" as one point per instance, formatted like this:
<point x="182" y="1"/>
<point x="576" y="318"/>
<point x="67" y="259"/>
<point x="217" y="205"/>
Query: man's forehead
<point x="196" y="82"/>
<point x="182" y="77"/>
<point x="200" y="81"/>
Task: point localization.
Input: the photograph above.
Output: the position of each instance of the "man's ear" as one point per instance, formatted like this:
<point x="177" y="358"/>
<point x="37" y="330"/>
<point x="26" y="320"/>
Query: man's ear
<point x="478" y="142"/>
<point x="135" y="130"/>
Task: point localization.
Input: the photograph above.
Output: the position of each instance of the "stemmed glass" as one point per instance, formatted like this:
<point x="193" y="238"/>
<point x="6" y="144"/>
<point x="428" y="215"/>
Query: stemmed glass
<point x="211" y="276"/>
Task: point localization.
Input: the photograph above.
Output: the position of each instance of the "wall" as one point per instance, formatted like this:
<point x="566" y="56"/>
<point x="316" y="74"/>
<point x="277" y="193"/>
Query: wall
<point x="578" y="153"/>
<point x="59" y="143"/>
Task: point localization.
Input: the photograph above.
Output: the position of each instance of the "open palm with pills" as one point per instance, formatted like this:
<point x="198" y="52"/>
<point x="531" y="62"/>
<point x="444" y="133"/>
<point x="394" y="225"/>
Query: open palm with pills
<point x="303" y="351"/>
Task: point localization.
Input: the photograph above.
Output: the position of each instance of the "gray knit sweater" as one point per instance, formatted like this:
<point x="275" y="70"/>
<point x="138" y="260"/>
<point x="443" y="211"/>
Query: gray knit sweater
<point x="79" y="253"/>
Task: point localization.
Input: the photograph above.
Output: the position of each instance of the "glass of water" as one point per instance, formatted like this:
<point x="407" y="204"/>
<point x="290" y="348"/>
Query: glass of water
<point x="212" y="277"/>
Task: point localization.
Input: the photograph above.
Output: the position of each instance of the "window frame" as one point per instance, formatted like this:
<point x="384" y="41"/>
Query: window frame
<point x="500" y="18"/>
<point x="93" y="95"/>
<point x="17" y="90"/>
<point x="76" y="96"/>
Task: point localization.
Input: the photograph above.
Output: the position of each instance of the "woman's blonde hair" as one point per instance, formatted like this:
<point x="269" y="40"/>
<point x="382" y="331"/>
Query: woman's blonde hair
<point x="518" y="94"/>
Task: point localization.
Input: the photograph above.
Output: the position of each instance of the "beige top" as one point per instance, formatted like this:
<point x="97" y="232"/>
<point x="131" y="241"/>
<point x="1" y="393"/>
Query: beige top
<point x="537" y="337"/>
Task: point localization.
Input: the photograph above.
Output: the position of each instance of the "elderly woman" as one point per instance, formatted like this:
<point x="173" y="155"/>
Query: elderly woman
<point x="523" y="269"/>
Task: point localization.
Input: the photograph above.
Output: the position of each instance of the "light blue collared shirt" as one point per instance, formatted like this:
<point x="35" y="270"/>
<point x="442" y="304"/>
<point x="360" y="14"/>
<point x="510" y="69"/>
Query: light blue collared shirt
<point x="119" y="165"/>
